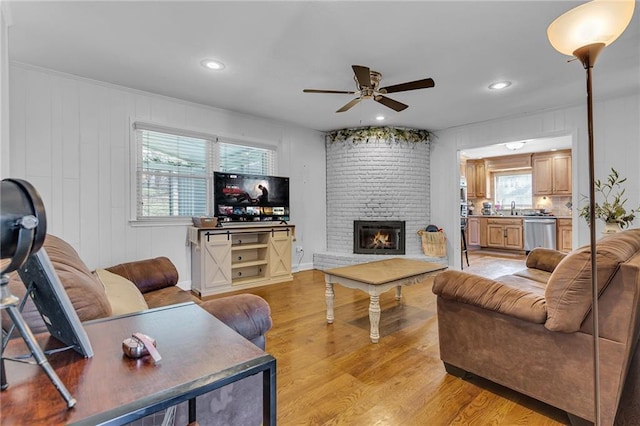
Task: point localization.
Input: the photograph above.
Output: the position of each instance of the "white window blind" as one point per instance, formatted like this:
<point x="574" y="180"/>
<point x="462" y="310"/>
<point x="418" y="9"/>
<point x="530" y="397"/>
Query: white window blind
<point x="513" y="186"/>
<point x="246" y="159"/>
<point x="174" y="170"/>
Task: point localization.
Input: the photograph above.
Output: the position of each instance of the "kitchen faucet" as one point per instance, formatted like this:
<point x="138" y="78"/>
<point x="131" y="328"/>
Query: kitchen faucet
<point x="513" y="207"/>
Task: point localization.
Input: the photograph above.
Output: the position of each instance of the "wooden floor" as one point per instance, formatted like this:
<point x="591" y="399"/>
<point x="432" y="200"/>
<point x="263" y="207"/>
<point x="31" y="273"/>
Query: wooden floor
<point x="334" y="375"/>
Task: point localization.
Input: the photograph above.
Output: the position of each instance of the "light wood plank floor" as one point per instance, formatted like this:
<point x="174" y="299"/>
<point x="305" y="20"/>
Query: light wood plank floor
<point x="334" y="375"/>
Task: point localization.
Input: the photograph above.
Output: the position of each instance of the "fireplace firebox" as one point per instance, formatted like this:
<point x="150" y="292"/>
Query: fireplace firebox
<point x="378" y="237"/>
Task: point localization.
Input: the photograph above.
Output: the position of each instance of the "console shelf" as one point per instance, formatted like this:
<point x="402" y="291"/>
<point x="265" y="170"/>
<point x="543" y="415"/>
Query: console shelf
<point x="249" y="263"/>
<point x="231" y="258"/>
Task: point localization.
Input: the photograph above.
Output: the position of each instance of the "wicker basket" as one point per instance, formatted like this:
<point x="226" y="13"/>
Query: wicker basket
<point x="433" y="243"/>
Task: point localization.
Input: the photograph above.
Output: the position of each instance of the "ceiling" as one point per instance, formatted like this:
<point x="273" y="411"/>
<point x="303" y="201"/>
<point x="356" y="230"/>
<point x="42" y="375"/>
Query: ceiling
<point x="529" y="146"/>
<point x="274" y="50"/>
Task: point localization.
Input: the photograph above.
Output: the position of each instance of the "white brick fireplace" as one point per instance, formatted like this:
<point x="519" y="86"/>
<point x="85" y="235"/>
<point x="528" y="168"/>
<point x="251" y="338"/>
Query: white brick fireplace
<point x="374" y="180"/>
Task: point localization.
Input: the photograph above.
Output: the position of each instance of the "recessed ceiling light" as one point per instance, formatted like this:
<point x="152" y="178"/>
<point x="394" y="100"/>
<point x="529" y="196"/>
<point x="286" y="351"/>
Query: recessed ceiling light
<point x="380" y="117"/>
<point x="212" y="64"/>
<point x="499" y="85"/>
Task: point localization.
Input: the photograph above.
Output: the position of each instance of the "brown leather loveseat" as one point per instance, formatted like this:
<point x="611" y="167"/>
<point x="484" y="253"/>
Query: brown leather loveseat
<point x="136" y="286"/>
<point x="532" y="331"/>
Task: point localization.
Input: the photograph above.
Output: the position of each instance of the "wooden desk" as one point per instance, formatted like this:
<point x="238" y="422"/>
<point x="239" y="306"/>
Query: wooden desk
<point x="375" y="278"/>
<point x="199" y="354"/>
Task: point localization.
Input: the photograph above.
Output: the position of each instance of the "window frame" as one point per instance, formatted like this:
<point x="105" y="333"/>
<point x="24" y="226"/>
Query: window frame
<point x="497" y="174"/>
<point x="213" y="139"/>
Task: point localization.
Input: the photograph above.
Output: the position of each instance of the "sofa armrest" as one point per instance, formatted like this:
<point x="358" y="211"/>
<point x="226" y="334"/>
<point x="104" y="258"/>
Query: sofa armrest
<point x="544" y="259"/>
<point x="249" y="315"/>
<point x="526" y="303"/>
<point x="148" y="275"/>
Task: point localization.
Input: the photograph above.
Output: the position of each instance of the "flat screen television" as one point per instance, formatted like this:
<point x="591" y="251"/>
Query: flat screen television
<point x="250" y="198"/>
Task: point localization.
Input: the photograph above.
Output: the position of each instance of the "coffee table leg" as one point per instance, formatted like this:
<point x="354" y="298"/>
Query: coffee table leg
<point x="329" y="296"/>
<point x="399" y="292"/>
<point x="374" y="317"/>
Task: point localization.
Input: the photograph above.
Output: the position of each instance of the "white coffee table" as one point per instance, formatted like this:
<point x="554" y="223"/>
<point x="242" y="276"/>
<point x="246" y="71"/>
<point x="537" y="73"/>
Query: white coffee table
<point x="375" y="278"/>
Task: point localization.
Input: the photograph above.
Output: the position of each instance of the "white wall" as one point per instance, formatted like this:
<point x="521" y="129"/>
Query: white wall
<point x="70" y="139"/>
<point x="617" y="144"/>
<point x="5" y="22"/>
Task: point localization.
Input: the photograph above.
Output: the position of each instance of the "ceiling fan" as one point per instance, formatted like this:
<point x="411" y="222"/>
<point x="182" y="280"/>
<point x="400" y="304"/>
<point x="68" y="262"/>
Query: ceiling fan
<point x="367" y="82"/>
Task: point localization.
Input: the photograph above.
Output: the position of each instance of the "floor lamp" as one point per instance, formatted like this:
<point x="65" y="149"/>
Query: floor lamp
<point x="582" y="33"/>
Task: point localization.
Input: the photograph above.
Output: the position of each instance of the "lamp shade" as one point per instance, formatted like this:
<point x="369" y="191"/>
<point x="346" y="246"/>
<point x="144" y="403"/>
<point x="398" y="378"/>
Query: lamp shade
<point x="599" y="21"/>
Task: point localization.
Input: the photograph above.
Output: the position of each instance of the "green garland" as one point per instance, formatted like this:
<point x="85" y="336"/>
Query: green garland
<point x="374" y="134"/>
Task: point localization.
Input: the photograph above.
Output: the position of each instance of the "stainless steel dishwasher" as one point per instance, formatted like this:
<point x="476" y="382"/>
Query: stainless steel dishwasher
<point x="539" y="232"/>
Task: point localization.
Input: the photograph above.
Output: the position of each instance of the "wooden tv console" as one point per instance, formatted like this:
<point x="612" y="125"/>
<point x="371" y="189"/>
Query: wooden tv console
<point x="236" y="257"/>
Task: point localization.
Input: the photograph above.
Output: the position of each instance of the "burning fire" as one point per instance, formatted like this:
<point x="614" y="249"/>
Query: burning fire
<point x="380" y="240"/>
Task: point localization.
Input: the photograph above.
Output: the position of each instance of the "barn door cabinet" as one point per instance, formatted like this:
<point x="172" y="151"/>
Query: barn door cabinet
<point x="232" y="258"/>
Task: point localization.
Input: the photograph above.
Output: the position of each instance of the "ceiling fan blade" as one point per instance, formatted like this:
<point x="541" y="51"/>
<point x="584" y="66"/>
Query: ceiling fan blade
<point x="412" y="85"/>
<point x="362" y="75"/>
<point x="349" y="105"/>
<point x="398" y="106"/>
<point x="328" y="91"/>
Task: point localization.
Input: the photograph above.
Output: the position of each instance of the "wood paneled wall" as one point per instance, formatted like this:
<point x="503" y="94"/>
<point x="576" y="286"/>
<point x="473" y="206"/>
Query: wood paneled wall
<point x="617" y="144"/>
<point x="70" y="137"/>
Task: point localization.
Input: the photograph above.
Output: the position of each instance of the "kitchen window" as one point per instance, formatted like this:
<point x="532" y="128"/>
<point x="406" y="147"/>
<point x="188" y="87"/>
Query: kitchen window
<point x="174" y="170"/>
<point x="513" y="186"/>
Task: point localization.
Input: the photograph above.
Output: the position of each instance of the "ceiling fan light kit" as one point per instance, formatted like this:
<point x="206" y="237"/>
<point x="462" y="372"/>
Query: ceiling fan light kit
<point x="368" y="82"/>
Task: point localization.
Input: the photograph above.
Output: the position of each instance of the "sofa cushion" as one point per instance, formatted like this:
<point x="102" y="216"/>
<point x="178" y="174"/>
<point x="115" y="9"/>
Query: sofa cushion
<point x="568" y="293"/>
<point x="509" y="295"/>
<point x="169" y="296"/>
<point x="534" y="274"/>
<point x="85" y="292"/>
<point x="124" y="296"/>
<point x="148" y="275"/>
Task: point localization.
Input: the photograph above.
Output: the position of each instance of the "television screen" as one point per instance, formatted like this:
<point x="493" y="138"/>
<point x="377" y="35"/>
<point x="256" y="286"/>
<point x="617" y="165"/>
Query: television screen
<point x="250" y="198"/>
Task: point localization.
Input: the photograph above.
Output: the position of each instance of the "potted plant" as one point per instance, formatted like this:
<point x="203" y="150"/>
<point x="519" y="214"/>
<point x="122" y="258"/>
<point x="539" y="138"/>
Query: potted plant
<point x="611" y="210"/>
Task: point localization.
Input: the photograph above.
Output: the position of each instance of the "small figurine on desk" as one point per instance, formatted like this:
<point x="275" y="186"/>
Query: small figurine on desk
<point x="139" y="345"/>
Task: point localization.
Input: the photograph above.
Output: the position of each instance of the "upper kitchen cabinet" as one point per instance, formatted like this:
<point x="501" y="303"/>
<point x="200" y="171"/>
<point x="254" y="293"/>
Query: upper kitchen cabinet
<point x="476" y="179"/>
<point x="552" y="173"/>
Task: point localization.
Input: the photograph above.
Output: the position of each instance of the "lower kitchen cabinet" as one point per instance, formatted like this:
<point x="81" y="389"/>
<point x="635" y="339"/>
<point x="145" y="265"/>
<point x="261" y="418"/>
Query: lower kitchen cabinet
<point x="505" y="234"/>
<point x="473" y="231"/>
<point x="564" y="235"/>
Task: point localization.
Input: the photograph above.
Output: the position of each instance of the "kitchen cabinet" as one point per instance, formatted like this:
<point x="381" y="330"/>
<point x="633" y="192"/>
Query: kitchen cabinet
<point x="476" y="179"/>
<point x="505" y="233"/>
<point x="473" y="231"/>
<point x="483" y="231"/>
<point x="552" y="173"/>
<point x="564" y="235"/>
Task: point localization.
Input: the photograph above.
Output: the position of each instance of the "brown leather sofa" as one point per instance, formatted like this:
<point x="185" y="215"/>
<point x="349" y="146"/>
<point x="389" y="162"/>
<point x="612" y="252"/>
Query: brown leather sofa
<point x="135" y="286"/>
<point x="532" y="331"/>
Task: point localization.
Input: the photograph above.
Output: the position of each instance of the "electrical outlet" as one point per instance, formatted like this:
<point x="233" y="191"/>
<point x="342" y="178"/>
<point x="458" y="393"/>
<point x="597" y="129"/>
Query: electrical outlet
<point x="299" y="250"/>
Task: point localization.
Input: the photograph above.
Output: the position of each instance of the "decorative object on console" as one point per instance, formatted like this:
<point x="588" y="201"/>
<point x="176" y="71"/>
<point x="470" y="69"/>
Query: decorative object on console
<point x="204" y="222"/>
<point x="583" y="32"/>
<point x="611" y="211"/>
